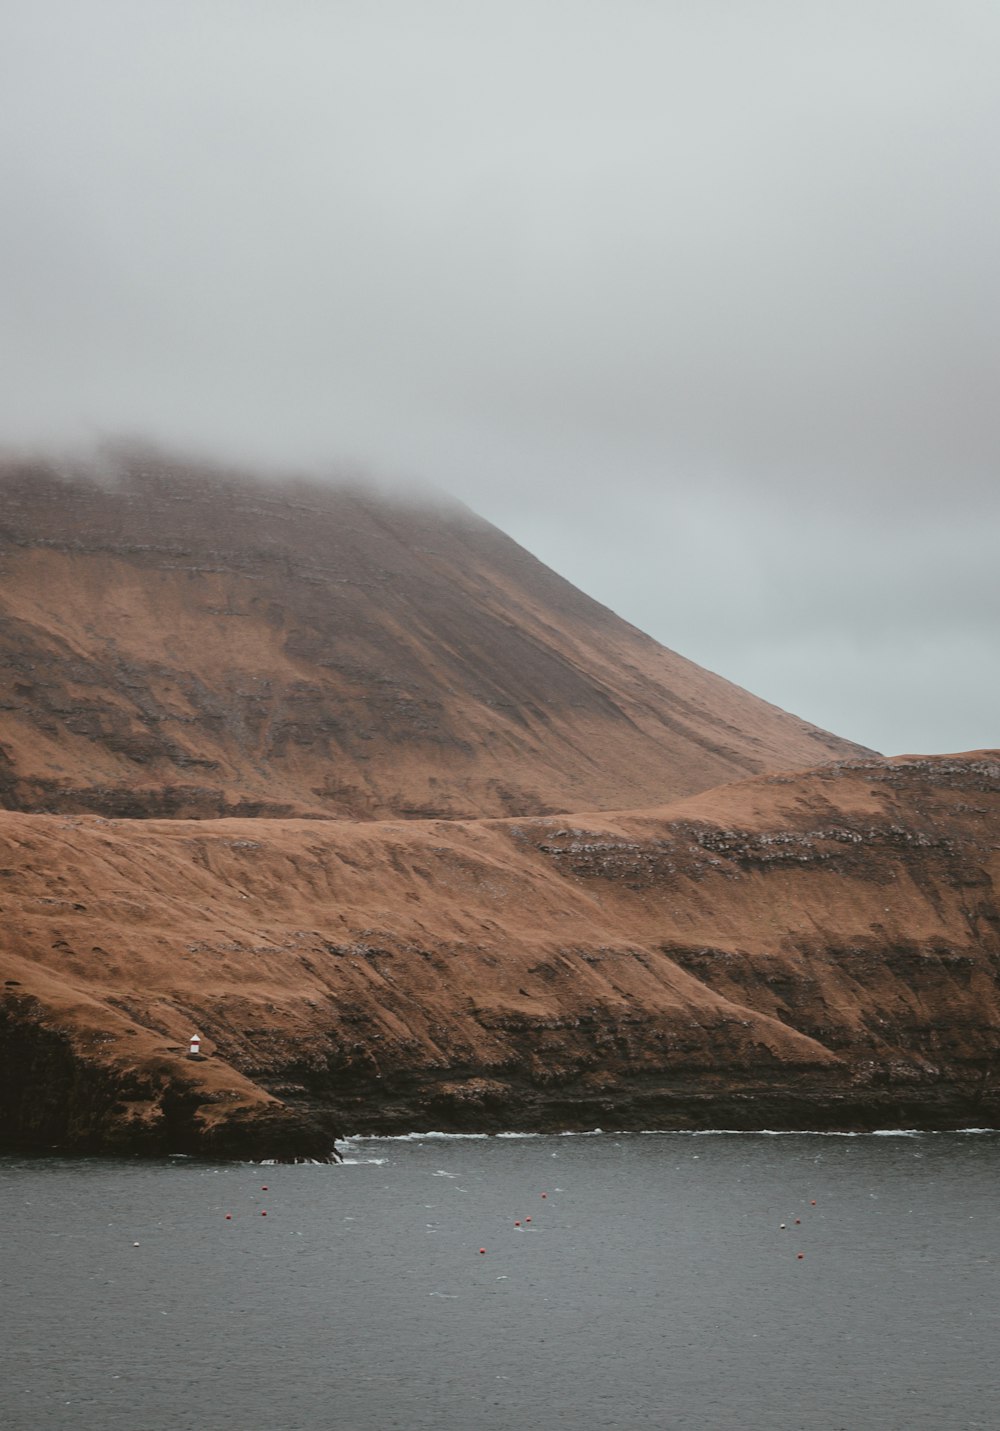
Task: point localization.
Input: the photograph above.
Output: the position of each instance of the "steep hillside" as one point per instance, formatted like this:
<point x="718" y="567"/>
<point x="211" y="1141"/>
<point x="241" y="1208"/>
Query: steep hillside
<point x="815" y="950"/>
<point x="181" y="642"/>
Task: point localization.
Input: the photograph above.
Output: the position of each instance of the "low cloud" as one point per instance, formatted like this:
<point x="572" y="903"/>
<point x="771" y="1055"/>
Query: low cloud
<point x="699" y="302"/>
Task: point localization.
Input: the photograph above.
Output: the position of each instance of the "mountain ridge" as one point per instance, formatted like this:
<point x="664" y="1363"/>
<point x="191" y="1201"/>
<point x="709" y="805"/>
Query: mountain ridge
<point x="180" y="642"/>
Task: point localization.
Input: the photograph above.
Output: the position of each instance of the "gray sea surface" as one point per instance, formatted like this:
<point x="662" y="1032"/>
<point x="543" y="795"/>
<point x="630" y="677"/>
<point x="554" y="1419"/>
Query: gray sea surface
<point x="649" y="1283"/>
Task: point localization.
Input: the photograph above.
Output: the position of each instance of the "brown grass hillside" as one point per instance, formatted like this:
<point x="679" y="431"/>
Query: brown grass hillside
<point x="809" y="950"/>
<point x="179" y="641"/>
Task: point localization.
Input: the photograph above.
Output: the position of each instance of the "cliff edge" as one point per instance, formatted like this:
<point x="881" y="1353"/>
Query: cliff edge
<point x="817" y="950"/>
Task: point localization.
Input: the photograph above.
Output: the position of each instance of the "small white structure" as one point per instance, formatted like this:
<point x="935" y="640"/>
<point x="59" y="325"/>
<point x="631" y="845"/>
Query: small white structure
<point x="195" y="1044"/>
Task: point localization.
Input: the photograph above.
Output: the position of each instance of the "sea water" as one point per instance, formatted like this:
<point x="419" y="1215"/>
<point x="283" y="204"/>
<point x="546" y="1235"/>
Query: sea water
<point x="738" y="1282"/>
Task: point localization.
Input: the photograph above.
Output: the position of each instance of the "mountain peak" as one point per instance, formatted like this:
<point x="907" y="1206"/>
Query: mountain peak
<point x="186" y="640"/>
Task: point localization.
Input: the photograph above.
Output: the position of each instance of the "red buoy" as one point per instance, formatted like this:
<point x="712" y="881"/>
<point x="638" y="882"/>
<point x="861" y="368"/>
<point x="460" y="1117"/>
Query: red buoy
<point x="798" y="1222"/>
<point x="263" y="1213"/>
<point x="527" y="1219"/>
<point x="482" y="1251"/>
<point x="229" y="1217"/>
<point x="517" y="1224"/>
<point x="800" y="1255"/>
<point x="264" y="1188"/>
<point x="544" y="1194"/>
<point x="813" y="1203"/>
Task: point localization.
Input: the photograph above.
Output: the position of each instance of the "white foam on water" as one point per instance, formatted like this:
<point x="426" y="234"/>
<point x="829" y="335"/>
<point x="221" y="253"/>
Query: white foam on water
<point x="806" y="1132"/>
<point x="415" y="1137"/>
<point x="765" y="1133"/>
<point x="355" y="1139"/>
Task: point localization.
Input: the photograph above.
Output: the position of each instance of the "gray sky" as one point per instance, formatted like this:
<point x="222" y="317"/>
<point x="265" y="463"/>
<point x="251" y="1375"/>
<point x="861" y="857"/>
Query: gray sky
<point x="699" y="301"/>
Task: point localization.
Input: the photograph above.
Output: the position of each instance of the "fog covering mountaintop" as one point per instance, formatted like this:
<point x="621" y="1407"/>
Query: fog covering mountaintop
<point x="697" y="302"/>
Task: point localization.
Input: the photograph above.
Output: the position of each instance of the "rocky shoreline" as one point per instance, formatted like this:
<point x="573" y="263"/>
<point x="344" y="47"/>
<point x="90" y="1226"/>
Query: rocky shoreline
<point x="818" y="951"/>
<point x="95" y="1121"/>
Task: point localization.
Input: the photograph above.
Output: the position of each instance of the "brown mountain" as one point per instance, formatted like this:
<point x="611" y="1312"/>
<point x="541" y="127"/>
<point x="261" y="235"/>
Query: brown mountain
<point x="811" y="950"/>
<point x="254" y="743"/>
<point x="180" y="641"/>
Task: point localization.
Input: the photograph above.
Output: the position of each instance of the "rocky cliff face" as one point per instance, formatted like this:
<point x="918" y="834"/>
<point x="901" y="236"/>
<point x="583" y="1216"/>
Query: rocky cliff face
<point x="178" y="642"/>
<point x="810" y="950"/>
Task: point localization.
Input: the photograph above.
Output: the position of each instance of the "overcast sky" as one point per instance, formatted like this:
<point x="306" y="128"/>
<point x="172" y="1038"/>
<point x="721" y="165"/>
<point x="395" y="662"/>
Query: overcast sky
<point x="699" y="301"/>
